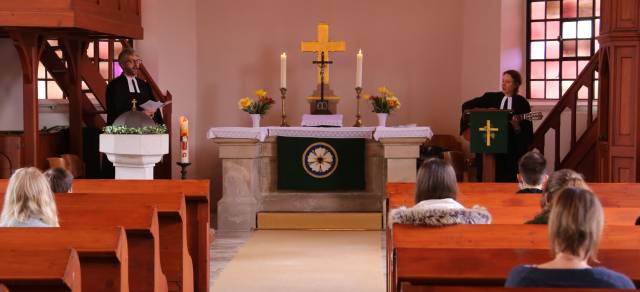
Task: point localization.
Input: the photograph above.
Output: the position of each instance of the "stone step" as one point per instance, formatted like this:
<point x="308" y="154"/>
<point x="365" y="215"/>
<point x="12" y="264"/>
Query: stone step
<point x="320" y="220"/>
<point x="321" y="202"/>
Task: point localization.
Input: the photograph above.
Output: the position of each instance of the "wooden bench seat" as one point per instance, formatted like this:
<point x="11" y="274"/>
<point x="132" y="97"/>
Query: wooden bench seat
<point x="503" y="195"/>
<point x="407" y="287"/>
<point x="197" y="199"/>
<point x="519" y="215"/>
<point x="174" y="256"/>
<point x="103" y="252"/>
<point x="26" y="270"/>
<point x="196" y="194"/>
<point x="484" y="254"/>
<point x="489" y="267"/>
<point x="142" y="229"/>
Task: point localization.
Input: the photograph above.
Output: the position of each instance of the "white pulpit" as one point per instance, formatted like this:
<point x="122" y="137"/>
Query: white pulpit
<point x="134" y="156"/>
<point x="249" y="175"/>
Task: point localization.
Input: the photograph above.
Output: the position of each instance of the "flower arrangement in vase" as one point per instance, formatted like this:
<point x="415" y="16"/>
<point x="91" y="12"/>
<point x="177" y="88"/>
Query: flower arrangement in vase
<point x="383" y="104"/>
<point x="256" y="108"/>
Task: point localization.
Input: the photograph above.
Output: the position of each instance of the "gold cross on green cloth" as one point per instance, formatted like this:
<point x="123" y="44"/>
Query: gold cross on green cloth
<point x="488" y="130"/>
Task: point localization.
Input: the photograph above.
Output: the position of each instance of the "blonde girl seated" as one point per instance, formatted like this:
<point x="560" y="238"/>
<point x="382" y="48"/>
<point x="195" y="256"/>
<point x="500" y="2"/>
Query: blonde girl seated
<point x="29" y="201"/>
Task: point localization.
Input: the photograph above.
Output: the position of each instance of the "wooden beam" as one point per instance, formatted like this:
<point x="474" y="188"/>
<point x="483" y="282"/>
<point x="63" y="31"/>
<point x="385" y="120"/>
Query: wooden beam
<point x="29" y="45"/>
<point x="74" y="49"/>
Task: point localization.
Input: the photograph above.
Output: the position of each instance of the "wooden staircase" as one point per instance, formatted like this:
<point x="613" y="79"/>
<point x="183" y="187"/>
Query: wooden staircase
<point x="580" y="147"/>
<point x="92" y="96"/>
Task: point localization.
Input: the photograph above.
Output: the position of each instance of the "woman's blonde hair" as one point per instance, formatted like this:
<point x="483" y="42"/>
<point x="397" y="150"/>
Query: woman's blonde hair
<point x="28" y="197"/>
<point x="436" y="179"/>
<point x="575" y="223"/>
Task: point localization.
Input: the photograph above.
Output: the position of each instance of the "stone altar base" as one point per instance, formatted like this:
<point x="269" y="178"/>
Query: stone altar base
<point x="250" y="184"/>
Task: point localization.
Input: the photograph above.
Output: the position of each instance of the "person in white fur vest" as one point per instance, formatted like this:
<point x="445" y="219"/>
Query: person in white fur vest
<point x="436" y="189"/>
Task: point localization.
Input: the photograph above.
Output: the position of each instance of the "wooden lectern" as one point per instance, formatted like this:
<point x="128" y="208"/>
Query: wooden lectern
<point x="489" y="135"/>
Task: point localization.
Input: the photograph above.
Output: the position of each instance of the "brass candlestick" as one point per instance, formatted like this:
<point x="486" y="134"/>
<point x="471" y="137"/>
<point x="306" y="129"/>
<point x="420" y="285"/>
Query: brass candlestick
<point x="358" y="117"/>
<point x="283" y="96"/>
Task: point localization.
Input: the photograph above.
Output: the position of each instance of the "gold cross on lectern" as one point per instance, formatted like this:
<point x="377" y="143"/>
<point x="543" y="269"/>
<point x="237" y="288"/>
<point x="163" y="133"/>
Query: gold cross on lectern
<point x="323" y="44"/>
<point x="487" y="129"/>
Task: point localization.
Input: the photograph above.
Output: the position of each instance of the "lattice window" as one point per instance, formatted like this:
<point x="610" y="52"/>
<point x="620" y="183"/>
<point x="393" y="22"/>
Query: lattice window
<point x="560" y="41"/>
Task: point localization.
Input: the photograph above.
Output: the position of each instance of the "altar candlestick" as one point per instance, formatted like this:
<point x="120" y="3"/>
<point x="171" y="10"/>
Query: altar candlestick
<point x="359" y="69"/>
<point x="283" y="70"/>
<point x="184" y="140"/>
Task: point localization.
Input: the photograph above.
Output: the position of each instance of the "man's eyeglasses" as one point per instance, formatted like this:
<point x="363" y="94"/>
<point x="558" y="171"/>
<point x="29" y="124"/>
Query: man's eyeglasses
<point x="137" y="62"/>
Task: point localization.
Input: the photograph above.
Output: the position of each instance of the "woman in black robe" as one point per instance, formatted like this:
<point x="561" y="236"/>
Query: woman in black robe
<point x="520" y="132"/>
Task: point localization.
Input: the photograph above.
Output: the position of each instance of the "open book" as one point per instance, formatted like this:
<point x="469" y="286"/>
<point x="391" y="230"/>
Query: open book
<point x="152" y="106"/>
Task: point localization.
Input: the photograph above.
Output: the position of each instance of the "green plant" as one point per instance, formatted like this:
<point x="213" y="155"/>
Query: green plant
<point x="124" y="130"/>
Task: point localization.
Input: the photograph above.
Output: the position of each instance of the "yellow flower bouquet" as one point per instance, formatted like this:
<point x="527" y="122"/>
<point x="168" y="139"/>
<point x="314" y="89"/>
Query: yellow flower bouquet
<point x="259" y="106"/>
<point x="386" y="102"/>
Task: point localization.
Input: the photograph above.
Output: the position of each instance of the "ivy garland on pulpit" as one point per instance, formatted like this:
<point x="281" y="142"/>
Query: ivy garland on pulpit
<point x="124" y="130"/>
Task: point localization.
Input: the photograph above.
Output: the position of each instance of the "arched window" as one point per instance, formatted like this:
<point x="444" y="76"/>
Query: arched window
<point x="560" y="41"/>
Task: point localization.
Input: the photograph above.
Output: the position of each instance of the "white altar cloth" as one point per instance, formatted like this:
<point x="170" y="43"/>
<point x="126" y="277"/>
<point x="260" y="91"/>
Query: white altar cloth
<point x="262" y="133"/>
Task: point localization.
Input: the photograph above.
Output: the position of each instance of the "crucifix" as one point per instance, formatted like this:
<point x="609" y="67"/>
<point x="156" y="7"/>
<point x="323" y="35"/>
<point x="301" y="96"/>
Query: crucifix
<point x="322" y="47"/>
<point x="322" y="106"/>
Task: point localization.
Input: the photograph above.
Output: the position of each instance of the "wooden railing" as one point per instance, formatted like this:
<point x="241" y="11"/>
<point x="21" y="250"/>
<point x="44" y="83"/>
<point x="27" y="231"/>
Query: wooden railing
<point x="579" y="146"/>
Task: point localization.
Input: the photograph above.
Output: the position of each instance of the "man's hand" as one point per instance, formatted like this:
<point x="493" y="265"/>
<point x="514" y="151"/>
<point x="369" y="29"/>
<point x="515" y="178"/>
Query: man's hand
<point x="149" y="113"/>
<point x="515" y="124"/>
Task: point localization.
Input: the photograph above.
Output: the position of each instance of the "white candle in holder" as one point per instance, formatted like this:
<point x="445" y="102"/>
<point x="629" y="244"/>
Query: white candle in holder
<point x="283" y="70"/>
<point x="359" y="69"/>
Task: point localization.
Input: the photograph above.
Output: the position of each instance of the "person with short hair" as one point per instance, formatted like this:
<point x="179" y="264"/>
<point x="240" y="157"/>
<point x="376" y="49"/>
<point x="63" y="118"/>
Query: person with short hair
<point x="59" y="179"/>
<point x="28" y="201"/>
<point x="575" y="228"/>
<point x="557" y="181"/>
<point x="436" y="205"/>
<point x="520" y="131"/>
<point x="122" y="90"/>
<point x="532" y="173"/>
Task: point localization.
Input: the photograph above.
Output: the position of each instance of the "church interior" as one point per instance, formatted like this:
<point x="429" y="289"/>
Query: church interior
<point x="354" y="145"/>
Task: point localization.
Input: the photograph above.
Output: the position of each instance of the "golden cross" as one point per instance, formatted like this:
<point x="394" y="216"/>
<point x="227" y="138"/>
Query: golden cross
<point x="488" y="131"/>
<point x="323" y="44"/>
<point x="133" y="105"/>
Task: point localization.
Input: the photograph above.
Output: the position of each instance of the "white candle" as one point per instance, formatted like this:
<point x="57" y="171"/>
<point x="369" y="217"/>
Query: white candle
<point x="359" y="69"/>
<point x="184" y="139"/>
<point x="283" y="70"/>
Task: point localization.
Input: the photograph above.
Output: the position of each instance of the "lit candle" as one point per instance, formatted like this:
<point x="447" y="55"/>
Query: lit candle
<point x="184" y="139"/>
<point x="283" y="70"/>
<point x="359" y="69"/>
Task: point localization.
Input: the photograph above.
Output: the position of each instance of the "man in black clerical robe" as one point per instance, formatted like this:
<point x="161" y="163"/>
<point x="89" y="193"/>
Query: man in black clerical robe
<point x="122" y="90"/>
<point x="520" y="132"/>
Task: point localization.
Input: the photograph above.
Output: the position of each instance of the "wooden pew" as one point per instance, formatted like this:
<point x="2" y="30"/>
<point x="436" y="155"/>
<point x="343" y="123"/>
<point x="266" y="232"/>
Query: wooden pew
<point x="407" y="287"/>
<point x="484" y="254"/>
<point x="141" y="226"/>
<point x="503" y="195"/>
<point x="142" y="229"/>
<point x="40" y="270"/>
<point x="520" y="215"/>
<point x="197" y="199"/>
<point x="103" y="252"/>
<point x="174" y="256"/>
<point x="488" y="267"/>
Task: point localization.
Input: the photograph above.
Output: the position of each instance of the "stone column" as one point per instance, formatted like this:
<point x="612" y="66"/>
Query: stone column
<point x="400" y="155"/>
<point x="240" y="183"/>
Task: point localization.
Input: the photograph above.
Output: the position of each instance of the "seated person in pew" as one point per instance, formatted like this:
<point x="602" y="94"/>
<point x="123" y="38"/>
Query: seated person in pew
<point x="532" y="173"/>
<point x="28" y="201"/>
<point x="436" y="190"/>
<point x="638" y="221"/>
<point x="59" y="179"/>
<point x="575" y="228"/>
<point x="557" y="181"/>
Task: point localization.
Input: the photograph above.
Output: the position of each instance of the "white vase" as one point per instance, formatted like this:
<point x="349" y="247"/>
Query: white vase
<point x="255" y="120"/>
<point x="382" y="119"/>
